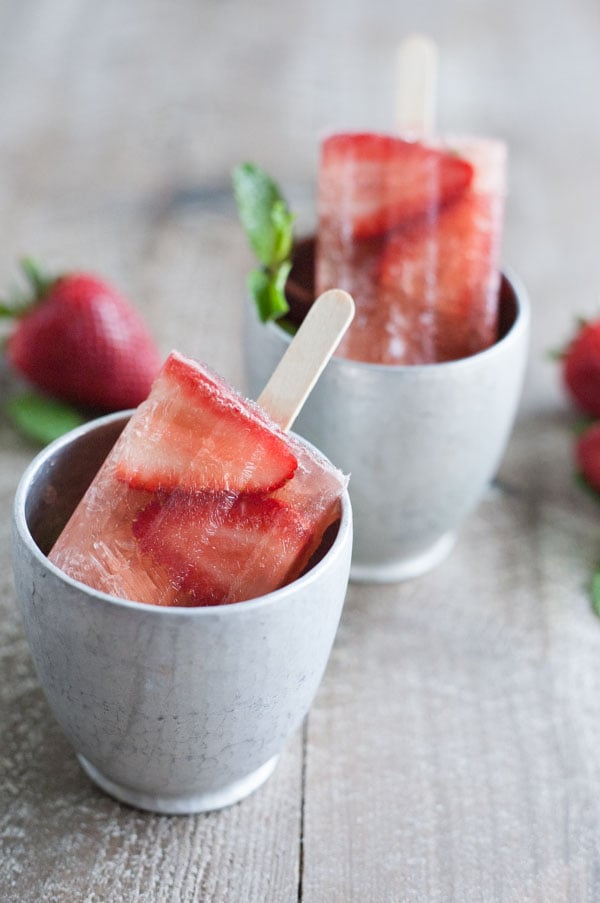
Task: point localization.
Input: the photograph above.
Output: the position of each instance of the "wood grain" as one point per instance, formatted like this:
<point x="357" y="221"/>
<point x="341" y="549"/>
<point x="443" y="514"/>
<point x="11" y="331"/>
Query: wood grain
<point x="451" y="754"/>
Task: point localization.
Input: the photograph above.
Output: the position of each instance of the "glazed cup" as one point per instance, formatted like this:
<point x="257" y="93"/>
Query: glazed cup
<point x="421" y="443"/>
<point x="174" y="710"/>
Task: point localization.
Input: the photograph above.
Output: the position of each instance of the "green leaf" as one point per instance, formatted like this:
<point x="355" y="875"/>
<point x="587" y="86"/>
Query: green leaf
<point x="41" y="419"/>
<point x="256" y="195"/>
<point x="267" y="288"/>
<point x="259" y="288"/>
<point x="287" y="326"/>
<point x="16" y="303"/>
<point x="595" y="592"/>
<point x="283" y="225"/>
<point x="39" y="281"/>
<point x="583" y="484"/>
<point x="264" y="213"/>
<point x="6" y="310"/>
<point x="269" y="225"/>
<point x="582" y="425"/>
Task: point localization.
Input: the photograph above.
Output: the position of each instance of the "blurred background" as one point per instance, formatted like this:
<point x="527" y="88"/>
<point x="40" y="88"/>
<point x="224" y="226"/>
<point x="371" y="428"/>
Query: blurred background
<point x="121" y="122"/>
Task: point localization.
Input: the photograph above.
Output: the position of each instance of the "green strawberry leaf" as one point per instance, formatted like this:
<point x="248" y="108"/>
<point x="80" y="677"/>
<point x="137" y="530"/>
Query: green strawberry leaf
<point x="582" y="425"/>
<point x="269" y="225"/>
<point x="587" y="487"/>
<point x="38" y="280"/>
<point x="41" y="419"/>
<point x="15" y="304"/>
<point x="595" y="592"/>
<point x="19" y="301"/>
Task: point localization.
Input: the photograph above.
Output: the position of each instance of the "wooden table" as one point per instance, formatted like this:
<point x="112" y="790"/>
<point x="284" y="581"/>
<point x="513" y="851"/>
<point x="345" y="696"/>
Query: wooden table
<point x="452" y="751"/>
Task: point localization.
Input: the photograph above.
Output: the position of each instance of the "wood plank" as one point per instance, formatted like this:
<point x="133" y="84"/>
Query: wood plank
<point x="451" y="749"/>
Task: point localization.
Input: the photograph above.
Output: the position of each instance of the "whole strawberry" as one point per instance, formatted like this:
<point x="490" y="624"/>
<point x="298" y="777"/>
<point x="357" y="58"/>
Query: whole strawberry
<point x="581" y="368"/>
<point x="77" y="339"/>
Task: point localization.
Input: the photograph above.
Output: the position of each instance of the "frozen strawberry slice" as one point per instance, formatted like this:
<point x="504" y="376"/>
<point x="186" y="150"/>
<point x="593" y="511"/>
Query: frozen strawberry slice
<point x="371" y="184"/>
<point x="219" y="548"/>
<point x="239" y="451"/>
<point x="443" y="277"/>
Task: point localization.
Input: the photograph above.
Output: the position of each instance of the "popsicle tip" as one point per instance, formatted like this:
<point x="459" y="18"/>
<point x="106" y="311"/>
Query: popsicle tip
<point x="311" y="348"/>
<point x="416" y="89"/>
<point x="343" y="303"/>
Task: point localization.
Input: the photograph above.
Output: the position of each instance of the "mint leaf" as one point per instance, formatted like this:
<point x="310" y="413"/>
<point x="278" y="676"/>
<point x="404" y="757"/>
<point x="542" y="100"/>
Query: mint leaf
<point x="283" y="228"/>
<point x="41" y="419"/>
<point x="267" y="290"/>
<point x="259" y="287"/>
<point x="269" y="225"/>
<point x="257" y="197"/>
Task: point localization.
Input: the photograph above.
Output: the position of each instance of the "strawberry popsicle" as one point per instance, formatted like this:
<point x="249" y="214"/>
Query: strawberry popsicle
<point x="413" y="231"/>
<point x="202" y="501"/>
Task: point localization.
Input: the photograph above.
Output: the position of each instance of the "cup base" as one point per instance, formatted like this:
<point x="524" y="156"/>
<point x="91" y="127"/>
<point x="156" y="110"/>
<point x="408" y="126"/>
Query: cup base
<point x="182" y="804"/>
<point x="405" y="569"/>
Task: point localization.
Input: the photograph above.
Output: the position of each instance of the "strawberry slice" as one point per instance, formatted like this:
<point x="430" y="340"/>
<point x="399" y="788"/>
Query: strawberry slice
<point x="240" y="451"/>
<point x="445" y="276"/>
<point x="219" y="548"/>
<point x="371" y="184"/>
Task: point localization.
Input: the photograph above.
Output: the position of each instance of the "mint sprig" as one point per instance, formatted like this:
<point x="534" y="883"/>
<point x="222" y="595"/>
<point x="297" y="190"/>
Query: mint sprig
<point x="269" y="225"/>
<point x="41" y="419"/>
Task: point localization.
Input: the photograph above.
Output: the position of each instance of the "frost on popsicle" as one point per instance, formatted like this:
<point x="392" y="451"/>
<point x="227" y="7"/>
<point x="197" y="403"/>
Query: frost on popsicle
<point x="202" y="501"/>
<point x="413" y="232"/>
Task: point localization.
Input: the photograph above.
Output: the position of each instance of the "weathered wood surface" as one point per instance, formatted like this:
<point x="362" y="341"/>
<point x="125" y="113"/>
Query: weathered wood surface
<point x="452" y="752"/>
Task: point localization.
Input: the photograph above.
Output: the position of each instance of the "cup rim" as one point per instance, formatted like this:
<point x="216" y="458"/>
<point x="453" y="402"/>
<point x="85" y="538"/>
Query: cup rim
<point x="265" y="601"/>
<point x="518" y="327"/>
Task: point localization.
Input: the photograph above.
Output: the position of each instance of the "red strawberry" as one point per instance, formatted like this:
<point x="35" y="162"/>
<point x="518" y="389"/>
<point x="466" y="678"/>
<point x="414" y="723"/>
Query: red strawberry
<point x="581" y="368"/>
<point x="81" y="341"/>
<point x="587" y="455"/>
<point x="205" y="540"/>
<point x="373" y="184"/>
<point x="239" y="451"/>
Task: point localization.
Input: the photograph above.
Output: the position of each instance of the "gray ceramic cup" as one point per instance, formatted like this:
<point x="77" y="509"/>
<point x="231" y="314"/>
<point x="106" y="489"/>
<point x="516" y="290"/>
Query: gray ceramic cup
<point x="421" y="443"/>
<point x="175" y="710"/>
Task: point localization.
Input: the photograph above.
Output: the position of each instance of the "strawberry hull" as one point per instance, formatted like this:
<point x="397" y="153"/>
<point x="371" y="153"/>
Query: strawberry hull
<point x="425" y="279"/>
<point x="163" y="524"/>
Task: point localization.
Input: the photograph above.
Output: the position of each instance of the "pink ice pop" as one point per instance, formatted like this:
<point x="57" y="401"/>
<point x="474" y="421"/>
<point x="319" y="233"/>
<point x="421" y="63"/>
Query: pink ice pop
<point x="202" y="501"/>
<point x="413" y="231"/>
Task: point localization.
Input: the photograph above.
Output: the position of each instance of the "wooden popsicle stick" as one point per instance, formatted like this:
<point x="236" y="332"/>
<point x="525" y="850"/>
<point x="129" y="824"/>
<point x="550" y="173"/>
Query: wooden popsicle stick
<point x="306" y="357"/>
<point x="416" y="89"/>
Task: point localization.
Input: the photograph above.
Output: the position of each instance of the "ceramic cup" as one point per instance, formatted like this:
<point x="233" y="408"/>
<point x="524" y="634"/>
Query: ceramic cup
<point x="174" y="710"/>
<point x="421" y="443"/>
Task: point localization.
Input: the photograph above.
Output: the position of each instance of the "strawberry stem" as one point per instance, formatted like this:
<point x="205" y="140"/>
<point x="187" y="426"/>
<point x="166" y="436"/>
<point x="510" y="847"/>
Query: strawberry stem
<point x="39" y="281"/>
<point x="18" y="302"/>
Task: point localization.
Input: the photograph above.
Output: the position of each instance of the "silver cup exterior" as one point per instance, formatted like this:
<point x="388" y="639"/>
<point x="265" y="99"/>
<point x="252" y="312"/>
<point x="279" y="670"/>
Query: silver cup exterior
<point x="172" y="710"/>
<point x="421" y="443"/>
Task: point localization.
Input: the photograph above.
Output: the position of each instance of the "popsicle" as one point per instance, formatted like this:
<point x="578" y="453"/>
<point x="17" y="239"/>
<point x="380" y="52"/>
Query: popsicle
<point x="204" y="499"/>
<point x="412" y="228"/>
